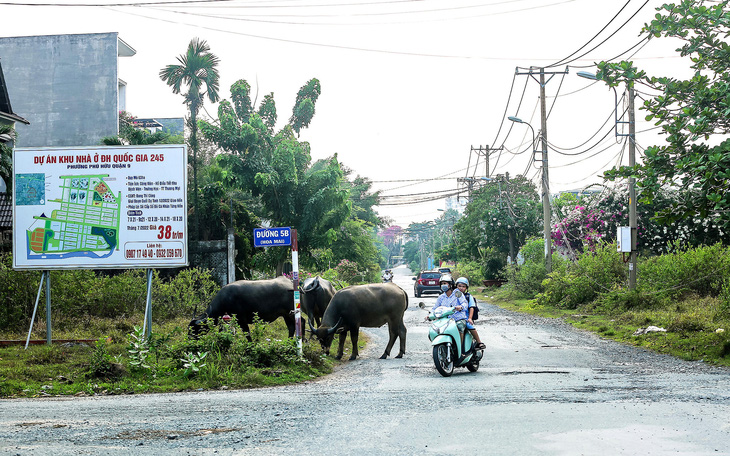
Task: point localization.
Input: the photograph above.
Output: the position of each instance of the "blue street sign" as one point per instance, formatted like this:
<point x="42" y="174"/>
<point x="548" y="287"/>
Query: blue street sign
<point x="271" y="237"/>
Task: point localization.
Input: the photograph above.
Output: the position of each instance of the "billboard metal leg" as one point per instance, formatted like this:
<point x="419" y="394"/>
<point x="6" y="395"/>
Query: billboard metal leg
<point x="37" y="298"/>
<point x="147" y="327"/>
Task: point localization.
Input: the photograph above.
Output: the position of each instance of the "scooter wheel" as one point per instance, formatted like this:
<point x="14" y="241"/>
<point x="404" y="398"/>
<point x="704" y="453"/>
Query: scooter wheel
<point x="441" y="360"/>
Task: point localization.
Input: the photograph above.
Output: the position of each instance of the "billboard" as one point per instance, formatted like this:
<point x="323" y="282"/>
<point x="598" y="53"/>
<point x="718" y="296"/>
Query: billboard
<point x="100" y="207"/>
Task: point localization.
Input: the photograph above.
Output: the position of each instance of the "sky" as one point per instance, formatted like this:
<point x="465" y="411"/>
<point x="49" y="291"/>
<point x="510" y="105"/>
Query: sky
<point x="409" y="87"/>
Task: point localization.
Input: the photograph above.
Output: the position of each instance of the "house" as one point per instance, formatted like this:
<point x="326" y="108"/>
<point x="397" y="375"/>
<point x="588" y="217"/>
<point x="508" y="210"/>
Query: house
<point x="67" y="86"/>
<point x="7" y="117"/>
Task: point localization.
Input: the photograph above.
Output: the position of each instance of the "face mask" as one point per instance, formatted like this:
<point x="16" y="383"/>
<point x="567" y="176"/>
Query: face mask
<point x="444" y="288"/>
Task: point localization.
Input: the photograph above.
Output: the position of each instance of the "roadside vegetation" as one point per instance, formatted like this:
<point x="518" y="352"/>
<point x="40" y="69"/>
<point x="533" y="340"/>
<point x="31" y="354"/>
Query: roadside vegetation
<point x="107" y="310"/>
<point x="685" y="294"/>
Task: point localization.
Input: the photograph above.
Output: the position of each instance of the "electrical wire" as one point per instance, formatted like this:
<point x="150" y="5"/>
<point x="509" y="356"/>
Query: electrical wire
<point x="611" y="35"/>
<point x="608" y="119"/>
<point x="559" y="62"/>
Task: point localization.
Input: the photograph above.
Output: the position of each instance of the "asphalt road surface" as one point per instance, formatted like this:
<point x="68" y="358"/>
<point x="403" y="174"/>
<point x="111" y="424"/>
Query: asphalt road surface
<point x="543" y="388"/>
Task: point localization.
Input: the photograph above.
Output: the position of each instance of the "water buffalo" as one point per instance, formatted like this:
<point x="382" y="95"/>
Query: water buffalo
<point x="269" y="299"/>
<point x="370" y="306"/>
<point x="316" y="296"/>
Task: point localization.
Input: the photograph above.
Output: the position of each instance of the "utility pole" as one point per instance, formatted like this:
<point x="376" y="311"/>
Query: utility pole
<point x="632" y="190"/>
<point x="546" y="212"/>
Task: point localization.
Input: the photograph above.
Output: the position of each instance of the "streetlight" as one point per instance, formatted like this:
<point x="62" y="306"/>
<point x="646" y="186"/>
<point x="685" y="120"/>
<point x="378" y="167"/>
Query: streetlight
<point x="546" y="212"/>
<point x="632" y="163"/>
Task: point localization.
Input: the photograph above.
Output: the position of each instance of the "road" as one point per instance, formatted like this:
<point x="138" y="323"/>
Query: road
<point x="543" y="388"/>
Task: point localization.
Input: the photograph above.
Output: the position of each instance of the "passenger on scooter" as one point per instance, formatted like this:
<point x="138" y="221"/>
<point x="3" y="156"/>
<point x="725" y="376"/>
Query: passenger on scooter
<point x="462" y="283"/>
<point x="453" y="298"/>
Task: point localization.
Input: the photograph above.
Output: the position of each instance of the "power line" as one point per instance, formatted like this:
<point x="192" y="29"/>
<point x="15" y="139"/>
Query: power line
<point x="594" y="37"/>
<point x="611" y="35"/>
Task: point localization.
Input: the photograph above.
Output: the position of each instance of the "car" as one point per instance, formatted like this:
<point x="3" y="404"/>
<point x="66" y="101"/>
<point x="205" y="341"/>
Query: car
<point x="445" y="270"/>
<point x="426" y="282"/>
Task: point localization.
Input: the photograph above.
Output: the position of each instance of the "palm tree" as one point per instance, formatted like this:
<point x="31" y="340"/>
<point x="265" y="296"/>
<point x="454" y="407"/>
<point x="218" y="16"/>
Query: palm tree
<point x="198" y="71"/>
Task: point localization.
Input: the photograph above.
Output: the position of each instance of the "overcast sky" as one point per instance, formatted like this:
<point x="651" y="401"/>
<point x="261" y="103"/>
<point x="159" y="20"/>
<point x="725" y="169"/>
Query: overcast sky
<point x="408" y="86"/>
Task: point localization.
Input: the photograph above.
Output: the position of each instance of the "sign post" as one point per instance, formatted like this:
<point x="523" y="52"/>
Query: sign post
<point x="283" y="236"/>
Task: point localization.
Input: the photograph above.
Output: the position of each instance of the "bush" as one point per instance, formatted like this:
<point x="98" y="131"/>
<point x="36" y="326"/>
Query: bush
<point x="582" y="281"/>
<point x="83" y="293"/>
<point x="18" y="290"/>
<point x="525" y="280"/>
<point x="349" y="272"/>
<point x="469" y="269"/>
<point x="701" y="270"/>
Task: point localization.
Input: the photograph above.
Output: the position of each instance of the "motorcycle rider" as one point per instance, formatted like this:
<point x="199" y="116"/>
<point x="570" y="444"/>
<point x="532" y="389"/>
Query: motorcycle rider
<point x="462" y="283"/>
<point x="451" y="297"/>
<point x="388" y="275"/>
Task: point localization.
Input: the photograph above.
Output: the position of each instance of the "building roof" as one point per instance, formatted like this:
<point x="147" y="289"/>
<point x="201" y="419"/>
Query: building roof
<point x="6" y="111"/>
<point x="6" y="211"/>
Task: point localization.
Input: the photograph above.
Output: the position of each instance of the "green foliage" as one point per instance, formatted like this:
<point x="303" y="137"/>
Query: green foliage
<point x="724" y="298"/>
<point x="303" y="110"/>
<point x="525" y="280"/>
<point x="348" y="271"/>
<point x="84" y="294"/>
<point x="469" y="269"/>
<point x="183" y="294"/>
<point x="138" y="350"/>
<point x="693" y="113"/>
<point x="583" y="280"/>
<point x="269" y="359"/>
<point x="193" y="362"/>
<point x="101" y="362"/>
<point x="700" y="270"/>
<point x="501" y="214"/>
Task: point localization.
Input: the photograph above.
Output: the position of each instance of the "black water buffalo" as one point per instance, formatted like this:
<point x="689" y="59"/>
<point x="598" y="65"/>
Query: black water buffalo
<point x="316" y="296"/>
<point x="370" y="306"/>
<point x="269" y="299"/>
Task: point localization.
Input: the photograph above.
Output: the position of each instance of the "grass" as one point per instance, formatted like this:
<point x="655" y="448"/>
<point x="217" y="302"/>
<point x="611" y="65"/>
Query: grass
<point x="696" y="327"/>
<point x="106" y="367"/>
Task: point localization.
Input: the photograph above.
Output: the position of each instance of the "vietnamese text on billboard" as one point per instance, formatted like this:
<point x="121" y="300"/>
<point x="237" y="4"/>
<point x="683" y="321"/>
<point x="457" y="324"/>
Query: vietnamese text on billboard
<point x="103" y="207"/>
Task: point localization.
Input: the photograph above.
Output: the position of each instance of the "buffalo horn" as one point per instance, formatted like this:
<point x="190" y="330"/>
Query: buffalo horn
<point x="331" y="330"/>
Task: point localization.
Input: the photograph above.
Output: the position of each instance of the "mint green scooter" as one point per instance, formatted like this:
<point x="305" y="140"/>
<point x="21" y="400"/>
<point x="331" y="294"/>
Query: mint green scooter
<point x="446" y="342"/>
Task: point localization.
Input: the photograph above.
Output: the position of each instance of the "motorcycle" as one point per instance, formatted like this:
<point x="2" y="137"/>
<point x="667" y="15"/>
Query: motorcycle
<point x="446" y="342"/>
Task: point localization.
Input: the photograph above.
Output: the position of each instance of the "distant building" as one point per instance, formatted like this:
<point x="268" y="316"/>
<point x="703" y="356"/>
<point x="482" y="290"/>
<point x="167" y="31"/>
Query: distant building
<point x="67" y="86"/>
<point x="172" y="126"/>
<point x="7" y="117"/>
<point x="458" y="204"/>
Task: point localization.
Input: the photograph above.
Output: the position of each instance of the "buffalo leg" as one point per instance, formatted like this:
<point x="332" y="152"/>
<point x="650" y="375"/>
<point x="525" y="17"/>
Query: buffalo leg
<point x="402" y="336"/>
<point x="243" y="323"/>
<point x="354" y="333"/>
<point x="341" y="348"/>
<point x="391" y="340"/>
<point x="290" y="323"/>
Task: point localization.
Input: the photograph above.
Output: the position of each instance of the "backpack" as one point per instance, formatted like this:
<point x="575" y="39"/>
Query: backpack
<point x="476" y="308"/>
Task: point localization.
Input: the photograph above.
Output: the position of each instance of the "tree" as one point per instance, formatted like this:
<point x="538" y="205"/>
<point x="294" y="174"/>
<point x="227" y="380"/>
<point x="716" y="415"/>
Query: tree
<point x="499" y="218"/>
<point x="694" y="114"/>
<point x="197" y="69"/>
<point x="303" y="111"/>
<point x="277" y="170"/>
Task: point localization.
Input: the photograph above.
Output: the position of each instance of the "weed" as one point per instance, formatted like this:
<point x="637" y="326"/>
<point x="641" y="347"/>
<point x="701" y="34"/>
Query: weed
<point x="101" y="362"/>
<point x="192" y="363"/>
<point x="138" y="350"/>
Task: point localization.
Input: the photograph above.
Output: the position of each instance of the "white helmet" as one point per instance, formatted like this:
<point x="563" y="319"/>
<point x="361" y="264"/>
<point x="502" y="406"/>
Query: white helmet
<point x="463" y="280"/>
